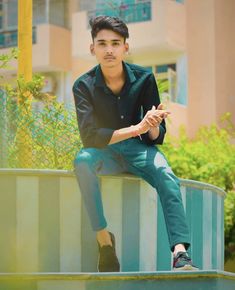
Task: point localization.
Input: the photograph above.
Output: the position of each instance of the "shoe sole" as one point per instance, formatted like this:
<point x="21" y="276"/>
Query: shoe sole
<point x="97" y="266"/>
<point x="186" y="268"/>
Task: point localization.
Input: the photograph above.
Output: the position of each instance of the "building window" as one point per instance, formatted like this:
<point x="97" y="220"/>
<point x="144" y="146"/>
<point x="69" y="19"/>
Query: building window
<point x="39" y="11"/>
<point x="53" y="12"/>
<point x="167" y="73"/>
<point x="85" y="5"/>
<point x="9" y="23"/>
<point x="8" y="15"/>
<point x="128" y="10"/>
<point x="58" y="13"/>
<point x="12" y="14"/>
<point x="172" y="78"/>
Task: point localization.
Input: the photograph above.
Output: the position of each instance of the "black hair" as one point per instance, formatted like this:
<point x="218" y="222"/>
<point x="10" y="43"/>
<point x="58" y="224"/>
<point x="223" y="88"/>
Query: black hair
<point x="108" y="22"/>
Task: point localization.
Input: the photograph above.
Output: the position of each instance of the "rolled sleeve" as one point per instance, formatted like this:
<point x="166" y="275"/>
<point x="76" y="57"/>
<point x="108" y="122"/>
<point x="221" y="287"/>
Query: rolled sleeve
<point x="159" y="140"/>
<point x="103" y="137"/>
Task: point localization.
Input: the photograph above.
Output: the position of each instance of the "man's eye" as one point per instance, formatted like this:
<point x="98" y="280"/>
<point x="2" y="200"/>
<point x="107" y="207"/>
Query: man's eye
<point x="116" y="44"/>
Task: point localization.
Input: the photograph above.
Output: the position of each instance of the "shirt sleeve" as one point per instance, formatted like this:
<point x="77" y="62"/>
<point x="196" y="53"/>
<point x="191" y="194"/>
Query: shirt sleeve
<point x="151" y="98"/>
<point x="91" y="134"/>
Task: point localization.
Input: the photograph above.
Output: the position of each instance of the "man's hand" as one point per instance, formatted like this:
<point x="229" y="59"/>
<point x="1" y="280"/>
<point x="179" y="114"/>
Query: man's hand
<point x="150" y="124"/>
<point x="152" y="119"/>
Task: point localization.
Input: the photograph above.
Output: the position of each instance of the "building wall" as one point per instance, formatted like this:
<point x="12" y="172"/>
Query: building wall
<point x="197" y="35"/>
<point x="210" y="45"/>
<point x="200" y="37"/>
<point x="224" y="57"/>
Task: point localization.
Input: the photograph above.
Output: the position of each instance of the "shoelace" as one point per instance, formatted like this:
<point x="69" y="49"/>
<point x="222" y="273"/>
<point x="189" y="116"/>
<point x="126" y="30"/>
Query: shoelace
<point x="184" y="257"/>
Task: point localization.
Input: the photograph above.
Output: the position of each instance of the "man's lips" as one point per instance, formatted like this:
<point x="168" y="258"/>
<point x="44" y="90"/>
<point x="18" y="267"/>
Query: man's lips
<point x="109" y="57"/>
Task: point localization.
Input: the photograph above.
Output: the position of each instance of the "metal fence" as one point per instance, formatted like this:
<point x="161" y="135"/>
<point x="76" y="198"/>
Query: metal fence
<point x="128" y="12"/>
<point x="46" y="137"/>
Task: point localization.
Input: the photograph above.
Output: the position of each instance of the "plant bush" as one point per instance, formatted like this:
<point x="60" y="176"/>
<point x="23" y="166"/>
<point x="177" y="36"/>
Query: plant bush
<point x="52" y="130"/>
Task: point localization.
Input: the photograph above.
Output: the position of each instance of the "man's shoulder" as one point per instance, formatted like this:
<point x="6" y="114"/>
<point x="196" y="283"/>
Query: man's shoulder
<point x="86" y="78"/>
<point x="139" y="70"/>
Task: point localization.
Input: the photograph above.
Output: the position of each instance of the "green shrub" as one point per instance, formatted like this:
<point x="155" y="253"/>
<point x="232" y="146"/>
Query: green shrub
<point x="52" y="126"/>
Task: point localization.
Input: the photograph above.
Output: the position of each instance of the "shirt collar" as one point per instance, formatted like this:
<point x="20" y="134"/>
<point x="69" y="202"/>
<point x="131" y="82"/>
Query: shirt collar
<point x="100" y="78"/>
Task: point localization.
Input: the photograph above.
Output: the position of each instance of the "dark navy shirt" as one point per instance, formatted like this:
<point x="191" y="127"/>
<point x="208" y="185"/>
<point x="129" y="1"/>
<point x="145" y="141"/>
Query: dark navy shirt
<point x="100" y="111"/>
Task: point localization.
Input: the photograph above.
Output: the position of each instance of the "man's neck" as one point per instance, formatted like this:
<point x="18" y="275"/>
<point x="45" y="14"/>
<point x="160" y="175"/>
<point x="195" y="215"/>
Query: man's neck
<point x="113" y="74"/>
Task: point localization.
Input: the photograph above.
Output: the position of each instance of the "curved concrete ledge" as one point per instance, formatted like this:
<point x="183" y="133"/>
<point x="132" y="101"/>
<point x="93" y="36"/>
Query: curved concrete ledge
<point x="44" y="226"/>
<point x="44" y="172"/>
<point x="121" y="276"/>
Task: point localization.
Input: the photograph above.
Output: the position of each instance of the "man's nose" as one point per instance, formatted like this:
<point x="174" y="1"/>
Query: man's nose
<point x="109" y="49"/>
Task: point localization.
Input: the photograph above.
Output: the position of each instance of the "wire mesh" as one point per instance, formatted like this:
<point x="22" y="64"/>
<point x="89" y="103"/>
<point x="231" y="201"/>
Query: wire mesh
<point x="48" y="131"/>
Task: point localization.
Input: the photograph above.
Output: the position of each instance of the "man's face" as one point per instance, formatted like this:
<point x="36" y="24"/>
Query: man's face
<point x="109" y="48"/>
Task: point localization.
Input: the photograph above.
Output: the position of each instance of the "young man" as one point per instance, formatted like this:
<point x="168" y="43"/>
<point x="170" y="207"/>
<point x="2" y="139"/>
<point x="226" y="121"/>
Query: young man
<point x="121" y="120"/>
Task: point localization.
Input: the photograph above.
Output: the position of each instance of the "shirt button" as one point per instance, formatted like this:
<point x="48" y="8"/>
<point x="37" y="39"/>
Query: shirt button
<point x="122" y="117"/>
<point x="119" y="98"/>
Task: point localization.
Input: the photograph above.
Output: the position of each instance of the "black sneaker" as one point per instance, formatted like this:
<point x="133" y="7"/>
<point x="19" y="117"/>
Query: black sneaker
<point x="107" y="260"/>
<point x="182" y="261"/>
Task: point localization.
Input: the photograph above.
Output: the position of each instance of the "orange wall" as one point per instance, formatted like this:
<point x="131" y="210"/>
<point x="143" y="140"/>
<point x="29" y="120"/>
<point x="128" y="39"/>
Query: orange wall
<point x="201" y="63"/>
<point x="211" y="59"/>
<point x="225" y="57"/>
<point x="52" y="51"/>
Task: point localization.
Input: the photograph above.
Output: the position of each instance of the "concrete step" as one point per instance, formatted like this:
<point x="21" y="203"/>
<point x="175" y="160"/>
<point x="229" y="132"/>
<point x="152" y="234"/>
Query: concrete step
<point x="160" y="280"/>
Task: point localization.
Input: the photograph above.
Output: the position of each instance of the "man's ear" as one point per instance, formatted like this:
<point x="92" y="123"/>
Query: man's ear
<point x="126" y="47"/>
<point x="92" y="49"/>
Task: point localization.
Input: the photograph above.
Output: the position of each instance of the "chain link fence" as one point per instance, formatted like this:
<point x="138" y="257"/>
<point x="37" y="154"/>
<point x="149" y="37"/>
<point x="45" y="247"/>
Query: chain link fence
<point x="46" y="136"/>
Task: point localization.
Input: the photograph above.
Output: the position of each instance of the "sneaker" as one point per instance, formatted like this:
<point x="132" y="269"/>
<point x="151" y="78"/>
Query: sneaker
<point x="182" y="261"/>
<point x="107" y="260"/>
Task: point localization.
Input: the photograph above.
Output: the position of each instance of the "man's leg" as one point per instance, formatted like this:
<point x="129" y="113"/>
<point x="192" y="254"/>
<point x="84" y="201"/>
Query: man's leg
<point x="150" y="164"/>
<point x="88" y="164"/>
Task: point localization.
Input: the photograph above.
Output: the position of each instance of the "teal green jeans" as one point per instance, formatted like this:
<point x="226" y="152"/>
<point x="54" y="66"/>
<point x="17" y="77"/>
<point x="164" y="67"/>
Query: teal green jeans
<point x="148" y="162"/>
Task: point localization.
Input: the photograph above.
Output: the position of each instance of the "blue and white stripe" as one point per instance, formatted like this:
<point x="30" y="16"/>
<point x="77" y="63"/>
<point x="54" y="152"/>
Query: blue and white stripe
<point x="44" y="226"/>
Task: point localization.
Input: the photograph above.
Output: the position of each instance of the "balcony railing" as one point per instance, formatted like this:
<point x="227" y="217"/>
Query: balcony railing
<point x="10" y="38"/>
<point x="138" y="12"/>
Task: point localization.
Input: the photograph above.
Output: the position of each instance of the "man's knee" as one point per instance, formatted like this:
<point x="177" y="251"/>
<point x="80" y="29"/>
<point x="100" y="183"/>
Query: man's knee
<point x="166" y="176"/>
<point x="85" y="157"/>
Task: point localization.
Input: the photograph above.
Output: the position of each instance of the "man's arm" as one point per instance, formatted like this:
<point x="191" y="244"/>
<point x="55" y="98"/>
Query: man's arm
<point x="151" y="98"/>
<point x="150" y="124"/>
<point x="154" y="130"/>
<point x="91" y="134"/>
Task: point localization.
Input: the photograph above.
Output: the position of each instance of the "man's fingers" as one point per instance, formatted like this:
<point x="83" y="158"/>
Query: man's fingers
<point x="162" y="113"/>
<point x="160" y="107"/>
<point x="150" y="122"/>
<point x="153" y="120"/>
<point x="157" y="121"/>
<point x="165" y="114"/>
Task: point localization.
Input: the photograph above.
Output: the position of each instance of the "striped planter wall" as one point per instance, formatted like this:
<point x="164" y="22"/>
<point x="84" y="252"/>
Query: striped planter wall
<point x="44" y="227"/>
